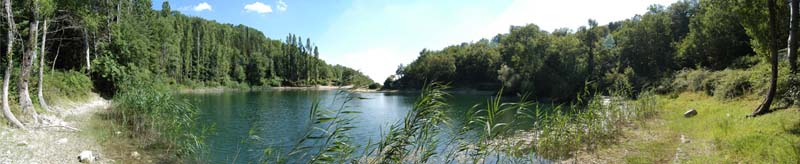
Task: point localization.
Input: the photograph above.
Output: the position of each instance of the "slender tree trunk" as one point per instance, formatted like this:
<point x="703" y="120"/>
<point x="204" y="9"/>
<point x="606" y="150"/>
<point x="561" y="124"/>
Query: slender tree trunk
<point x="25" y="101"/>
<point x="590" y="61"/>
<point x="9" y="65"/>
<point x="42" y="102"/>
<point x="793" y="35"/>
<point x="88" y="53"/>
<point x="773" y="50"/>
<point x="58" y="51"/>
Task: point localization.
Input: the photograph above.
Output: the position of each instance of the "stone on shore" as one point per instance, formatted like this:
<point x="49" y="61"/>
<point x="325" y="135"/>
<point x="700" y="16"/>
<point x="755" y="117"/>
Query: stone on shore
<point x="690" y="113"/>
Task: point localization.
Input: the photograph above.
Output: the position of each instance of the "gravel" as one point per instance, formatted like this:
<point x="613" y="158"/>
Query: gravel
<point x="53" y="141"/>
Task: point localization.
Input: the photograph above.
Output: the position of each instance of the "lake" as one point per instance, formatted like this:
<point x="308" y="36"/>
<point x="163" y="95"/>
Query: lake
<point x="247" y="123"/>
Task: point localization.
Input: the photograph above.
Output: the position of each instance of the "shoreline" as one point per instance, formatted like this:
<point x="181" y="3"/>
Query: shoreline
<point x="350" y="88"/>
<point x="55" y="140"/>
<point x="204" y="90"/>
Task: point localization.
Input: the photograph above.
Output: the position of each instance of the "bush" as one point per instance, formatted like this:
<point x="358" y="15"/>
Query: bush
<point x="726" y="84"/>
<point x="374" y="86"/>
<point x="760" y="78"/>
<point x="694" y="80"/>
<point x="66" y="85"/>
<point x="732" y="84"/>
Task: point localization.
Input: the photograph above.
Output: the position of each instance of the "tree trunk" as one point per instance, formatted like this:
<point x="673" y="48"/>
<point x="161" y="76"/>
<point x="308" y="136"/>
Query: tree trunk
<point x="86" y="45"/>
<point x="9" y="65"/>
<point x="42" y="102"/>
<point x="764" y="108"/>
<point x="590" y="61"/>
<point x="25" y="101"/>
<point x="793" y="35"/>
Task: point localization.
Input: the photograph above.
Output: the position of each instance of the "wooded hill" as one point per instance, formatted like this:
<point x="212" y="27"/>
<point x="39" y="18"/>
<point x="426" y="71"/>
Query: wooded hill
<point x="645" y="52"/>
<point x="125" y="41"/>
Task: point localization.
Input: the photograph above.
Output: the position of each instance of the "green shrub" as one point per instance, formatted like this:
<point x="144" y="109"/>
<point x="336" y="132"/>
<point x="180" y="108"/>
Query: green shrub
<point x="732" y="84"/>
<point x="694" y="80"/>
<point x="724" y="84"/>
<point x="760" y="75"/>
<point x="274" y="82"/>
<point x="374" y="86"/>
<point x="66" y="85"/>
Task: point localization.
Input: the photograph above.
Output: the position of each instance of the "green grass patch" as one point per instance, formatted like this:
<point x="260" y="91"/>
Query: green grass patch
<point x="721" y="133"/>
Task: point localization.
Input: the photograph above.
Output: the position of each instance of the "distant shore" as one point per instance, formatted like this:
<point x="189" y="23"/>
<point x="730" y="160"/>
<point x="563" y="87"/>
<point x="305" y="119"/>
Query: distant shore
<point x="227" y="89"/>
<point x="327" y="87"/>
<point x="451" y="91"/>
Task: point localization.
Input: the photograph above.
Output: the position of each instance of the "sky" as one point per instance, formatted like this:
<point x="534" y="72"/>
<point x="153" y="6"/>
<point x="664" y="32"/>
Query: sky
<point x="375" y="36"/>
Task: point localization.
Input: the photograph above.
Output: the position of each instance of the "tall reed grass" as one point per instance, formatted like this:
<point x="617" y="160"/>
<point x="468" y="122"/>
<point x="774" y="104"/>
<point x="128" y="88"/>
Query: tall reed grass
<point x="496" y="132"/>
<point x="159" y="121"/>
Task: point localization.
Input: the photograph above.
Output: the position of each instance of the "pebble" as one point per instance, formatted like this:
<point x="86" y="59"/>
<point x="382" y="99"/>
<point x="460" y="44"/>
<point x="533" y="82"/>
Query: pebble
<point x="62" y="141"/>
<point x="685" y="139"/>
<point x="136" y="155"/>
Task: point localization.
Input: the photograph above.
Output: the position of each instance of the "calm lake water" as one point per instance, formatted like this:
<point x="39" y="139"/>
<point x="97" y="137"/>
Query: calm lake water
<point x="247" y="123"/>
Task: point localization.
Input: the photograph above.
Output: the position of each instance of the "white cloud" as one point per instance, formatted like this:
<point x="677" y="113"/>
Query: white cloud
<point x="202" y="7"/>
<point x="258" y="7"/>
<point x="282" y="6"/>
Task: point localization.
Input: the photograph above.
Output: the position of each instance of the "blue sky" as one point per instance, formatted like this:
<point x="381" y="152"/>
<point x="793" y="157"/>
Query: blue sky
<point x="375" y="36"/>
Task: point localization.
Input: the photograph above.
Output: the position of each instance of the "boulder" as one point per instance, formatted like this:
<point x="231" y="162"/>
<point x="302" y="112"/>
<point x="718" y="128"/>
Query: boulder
<point x="690" y="113"/>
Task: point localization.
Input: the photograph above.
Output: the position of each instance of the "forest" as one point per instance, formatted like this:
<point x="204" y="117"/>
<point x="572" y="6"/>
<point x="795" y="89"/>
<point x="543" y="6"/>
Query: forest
<point x="653" y="51"/>
<point x="128" y="51"/>
<point x="120" y="40"/>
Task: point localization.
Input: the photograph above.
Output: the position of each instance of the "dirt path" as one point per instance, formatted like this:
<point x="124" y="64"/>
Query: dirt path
<point x="55" y="143"/>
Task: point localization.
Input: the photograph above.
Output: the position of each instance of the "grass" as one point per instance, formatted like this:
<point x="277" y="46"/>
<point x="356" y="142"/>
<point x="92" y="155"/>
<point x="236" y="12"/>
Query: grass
<point x="720" y="133"/>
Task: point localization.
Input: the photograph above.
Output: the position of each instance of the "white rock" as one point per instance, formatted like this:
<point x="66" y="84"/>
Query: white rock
<point x="685" y="139"/>
<point x="690" y="113"/>
<point x="62" y="141"/>
<point x="86" y="157"/>
<point x="118" y="132"/>
<point x="136" y="155"/>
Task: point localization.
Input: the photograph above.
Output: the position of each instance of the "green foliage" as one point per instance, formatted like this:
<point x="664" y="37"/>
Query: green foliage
<point x="185" y="50"/>
<point x="716" y="38"/>
<point x="732" y="84"/>
<point x="374" y="86"/>
<point x="67" y="85"/>
<point x="632" y="54"/>
<point x="465" y="65"/>
<point x="158" y="120"/>
<point x="694" y="80"/>
<point x="729" y="83"/>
